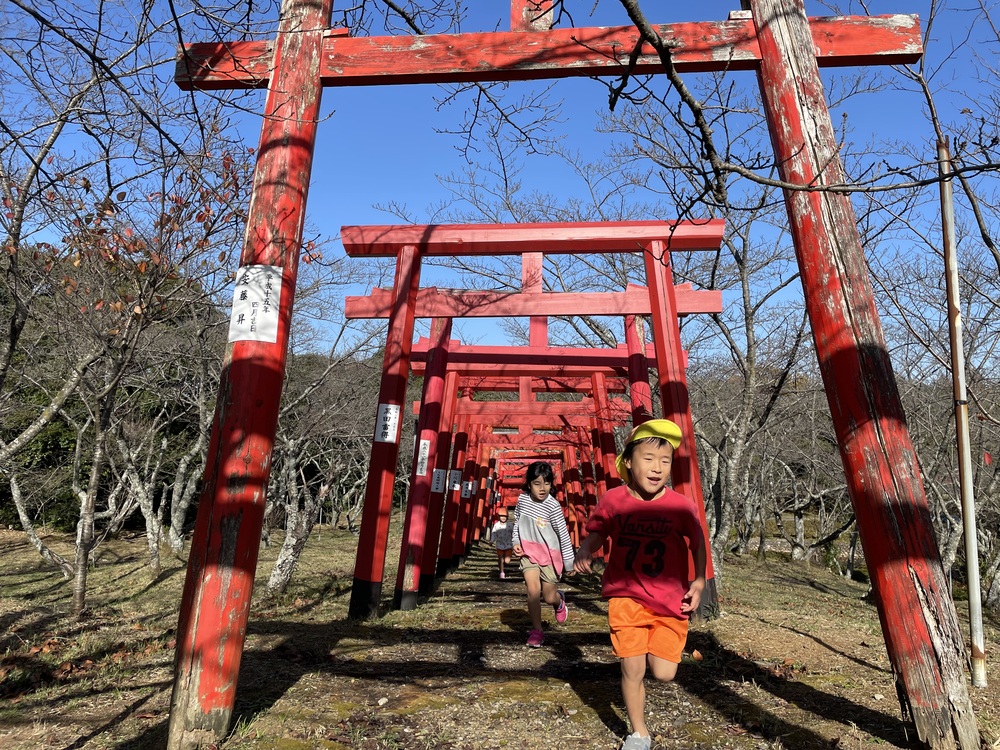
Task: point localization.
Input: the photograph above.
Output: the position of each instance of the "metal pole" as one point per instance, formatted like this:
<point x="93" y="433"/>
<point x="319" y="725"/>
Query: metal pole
<point x="962" y="419"/>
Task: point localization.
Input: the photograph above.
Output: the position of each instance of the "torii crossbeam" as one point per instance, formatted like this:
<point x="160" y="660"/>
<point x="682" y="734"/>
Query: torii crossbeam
<point x="784" y="47"/>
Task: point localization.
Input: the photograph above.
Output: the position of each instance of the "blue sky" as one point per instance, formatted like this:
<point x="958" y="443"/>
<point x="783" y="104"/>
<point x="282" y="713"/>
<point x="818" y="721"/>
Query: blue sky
<point x="379" y="145"/>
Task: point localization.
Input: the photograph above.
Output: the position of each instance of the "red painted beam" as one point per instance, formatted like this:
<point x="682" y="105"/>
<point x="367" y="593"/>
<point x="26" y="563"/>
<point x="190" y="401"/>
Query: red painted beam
<point x="578" y="384"/>
<point x="559" y="53"/>
<point x="502" y="441"/>
<point x="443" y="303"/>
<point x="498" y="412"/>
<point x="542" y="358"/>
<point x="560" y="422"/>
<point x="450" y="240"/>
<point x="527" y="369"/>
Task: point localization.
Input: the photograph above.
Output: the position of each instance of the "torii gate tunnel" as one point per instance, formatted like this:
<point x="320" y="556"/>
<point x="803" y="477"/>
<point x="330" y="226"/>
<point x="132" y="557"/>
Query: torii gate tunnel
<point x="409" y="244"/>
<point x="661" y="301"/>
<point x="784" y="47"/>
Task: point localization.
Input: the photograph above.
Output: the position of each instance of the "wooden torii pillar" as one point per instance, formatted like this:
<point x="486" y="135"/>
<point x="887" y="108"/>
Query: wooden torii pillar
<point x="425" y="472"/>
<point x="222" y="563"/>
<point x="422" y="529"/>
<point x="525" y="446"/>
<point x="500" y="383"/>
<point x="920" y="624"/>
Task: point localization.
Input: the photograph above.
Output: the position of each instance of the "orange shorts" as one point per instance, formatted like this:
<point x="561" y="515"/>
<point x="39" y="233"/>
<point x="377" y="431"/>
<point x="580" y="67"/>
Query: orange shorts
<point x="637" y="630"/>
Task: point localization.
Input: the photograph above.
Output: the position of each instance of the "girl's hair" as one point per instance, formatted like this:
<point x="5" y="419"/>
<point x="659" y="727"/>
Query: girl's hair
<point x="535" y="470"/>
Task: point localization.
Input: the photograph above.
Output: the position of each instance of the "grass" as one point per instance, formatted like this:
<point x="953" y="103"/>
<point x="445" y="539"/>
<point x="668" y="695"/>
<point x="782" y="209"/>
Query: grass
<point x="795" y="661"/>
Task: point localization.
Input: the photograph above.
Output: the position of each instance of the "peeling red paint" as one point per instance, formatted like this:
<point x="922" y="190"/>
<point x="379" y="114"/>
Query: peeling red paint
<point x="223" y="558"/>
<point x="918" y="621"/>
<point x="558" y="53"/>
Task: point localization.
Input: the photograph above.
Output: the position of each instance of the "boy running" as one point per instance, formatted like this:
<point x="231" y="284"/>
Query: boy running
<point x="645" y="582"/>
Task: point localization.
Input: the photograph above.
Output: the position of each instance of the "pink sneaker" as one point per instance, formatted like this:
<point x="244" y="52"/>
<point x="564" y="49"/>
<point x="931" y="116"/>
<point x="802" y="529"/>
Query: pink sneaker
<point x="536" y="638"/>
<point x="562" y="611"/>
<point x="502" y="574"/>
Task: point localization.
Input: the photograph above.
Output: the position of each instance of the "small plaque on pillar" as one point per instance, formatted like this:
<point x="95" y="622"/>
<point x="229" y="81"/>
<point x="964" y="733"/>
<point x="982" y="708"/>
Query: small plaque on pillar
<point x="467" y="489"/>
<point x="387" y="423"/>
<point x="423" y="454"/>
<point x="438" y="482"/>
<point x="455" y="480"/>
<point x="256" y="302"/>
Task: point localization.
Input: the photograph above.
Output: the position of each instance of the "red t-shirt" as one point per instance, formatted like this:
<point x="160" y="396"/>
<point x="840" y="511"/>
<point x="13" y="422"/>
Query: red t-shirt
<point x="649" y="547"/>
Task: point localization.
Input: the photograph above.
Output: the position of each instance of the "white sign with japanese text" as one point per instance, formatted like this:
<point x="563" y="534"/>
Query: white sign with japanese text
<point x="423" y="454"/>
<point x="455" y="480"/>
<point x="387" y="423"/>
<point x="256" y="301"/>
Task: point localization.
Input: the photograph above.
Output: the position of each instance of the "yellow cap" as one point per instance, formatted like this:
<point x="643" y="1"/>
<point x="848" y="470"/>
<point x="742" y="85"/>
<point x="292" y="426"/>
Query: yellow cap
<point x="654" y="428"/>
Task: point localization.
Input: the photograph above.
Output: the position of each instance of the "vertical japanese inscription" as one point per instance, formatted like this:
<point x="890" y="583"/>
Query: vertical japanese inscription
<point x="256" y="300"/>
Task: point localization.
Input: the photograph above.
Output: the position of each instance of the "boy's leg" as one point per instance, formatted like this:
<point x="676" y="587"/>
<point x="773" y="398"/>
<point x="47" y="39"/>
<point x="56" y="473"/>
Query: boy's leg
<point x="533" y="583"/>
<point x="662" y="670"/>
<point x="634" y="692"/>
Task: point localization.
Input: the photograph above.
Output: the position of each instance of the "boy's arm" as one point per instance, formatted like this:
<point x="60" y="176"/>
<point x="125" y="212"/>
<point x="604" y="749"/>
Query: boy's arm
<point x="692" y="599"/>
<point x="586" y="552"/>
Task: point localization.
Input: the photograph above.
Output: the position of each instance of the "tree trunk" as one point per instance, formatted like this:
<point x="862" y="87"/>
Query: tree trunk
<point x="992" y="599"/>
<point x="64" y="565"/>
<point x="189" y="470"/>
<point x="85" y="526"/>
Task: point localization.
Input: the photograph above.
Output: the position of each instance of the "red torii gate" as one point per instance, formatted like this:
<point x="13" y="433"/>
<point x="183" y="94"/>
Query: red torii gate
<point x="507" y="368"/>
<point x="521" y="360"/>
<point x="409" y="243"/>
<point x="920" y="626"/>
<point x="450" y="552"/>
<point x="420" y="537"/>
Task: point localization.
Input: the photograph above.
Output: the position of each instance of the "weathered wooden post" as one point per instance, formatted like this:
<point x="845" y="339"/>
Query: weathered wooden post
<point x="919" y="622"/>
<point x="638" y="371"/>
<point x="453" y="482"/>
<point x="226" y="539"/>
<point x="674" y="401"/>
<point x="461" y="463"/>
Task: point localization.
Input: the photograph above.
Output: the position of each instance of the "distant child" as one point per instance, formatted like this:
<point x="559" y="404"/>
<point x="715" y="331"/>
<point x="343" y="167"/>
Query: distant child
<point x="645" y="581"/>
<point x="542" y="540"/>
<point x="502" y="535"/>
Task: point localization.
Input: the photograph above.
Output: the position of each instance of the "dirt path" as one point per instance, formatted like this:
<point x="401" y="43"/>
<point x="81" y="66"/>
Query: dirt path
<point x="796" y="662"/>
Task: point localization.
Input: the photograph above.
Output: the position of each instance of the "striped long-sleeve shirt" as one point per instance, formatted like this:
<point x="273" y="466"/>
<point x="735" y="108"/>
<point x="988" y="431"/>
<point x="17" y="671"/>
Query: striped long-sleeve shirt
<point x="540" y="529"/>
